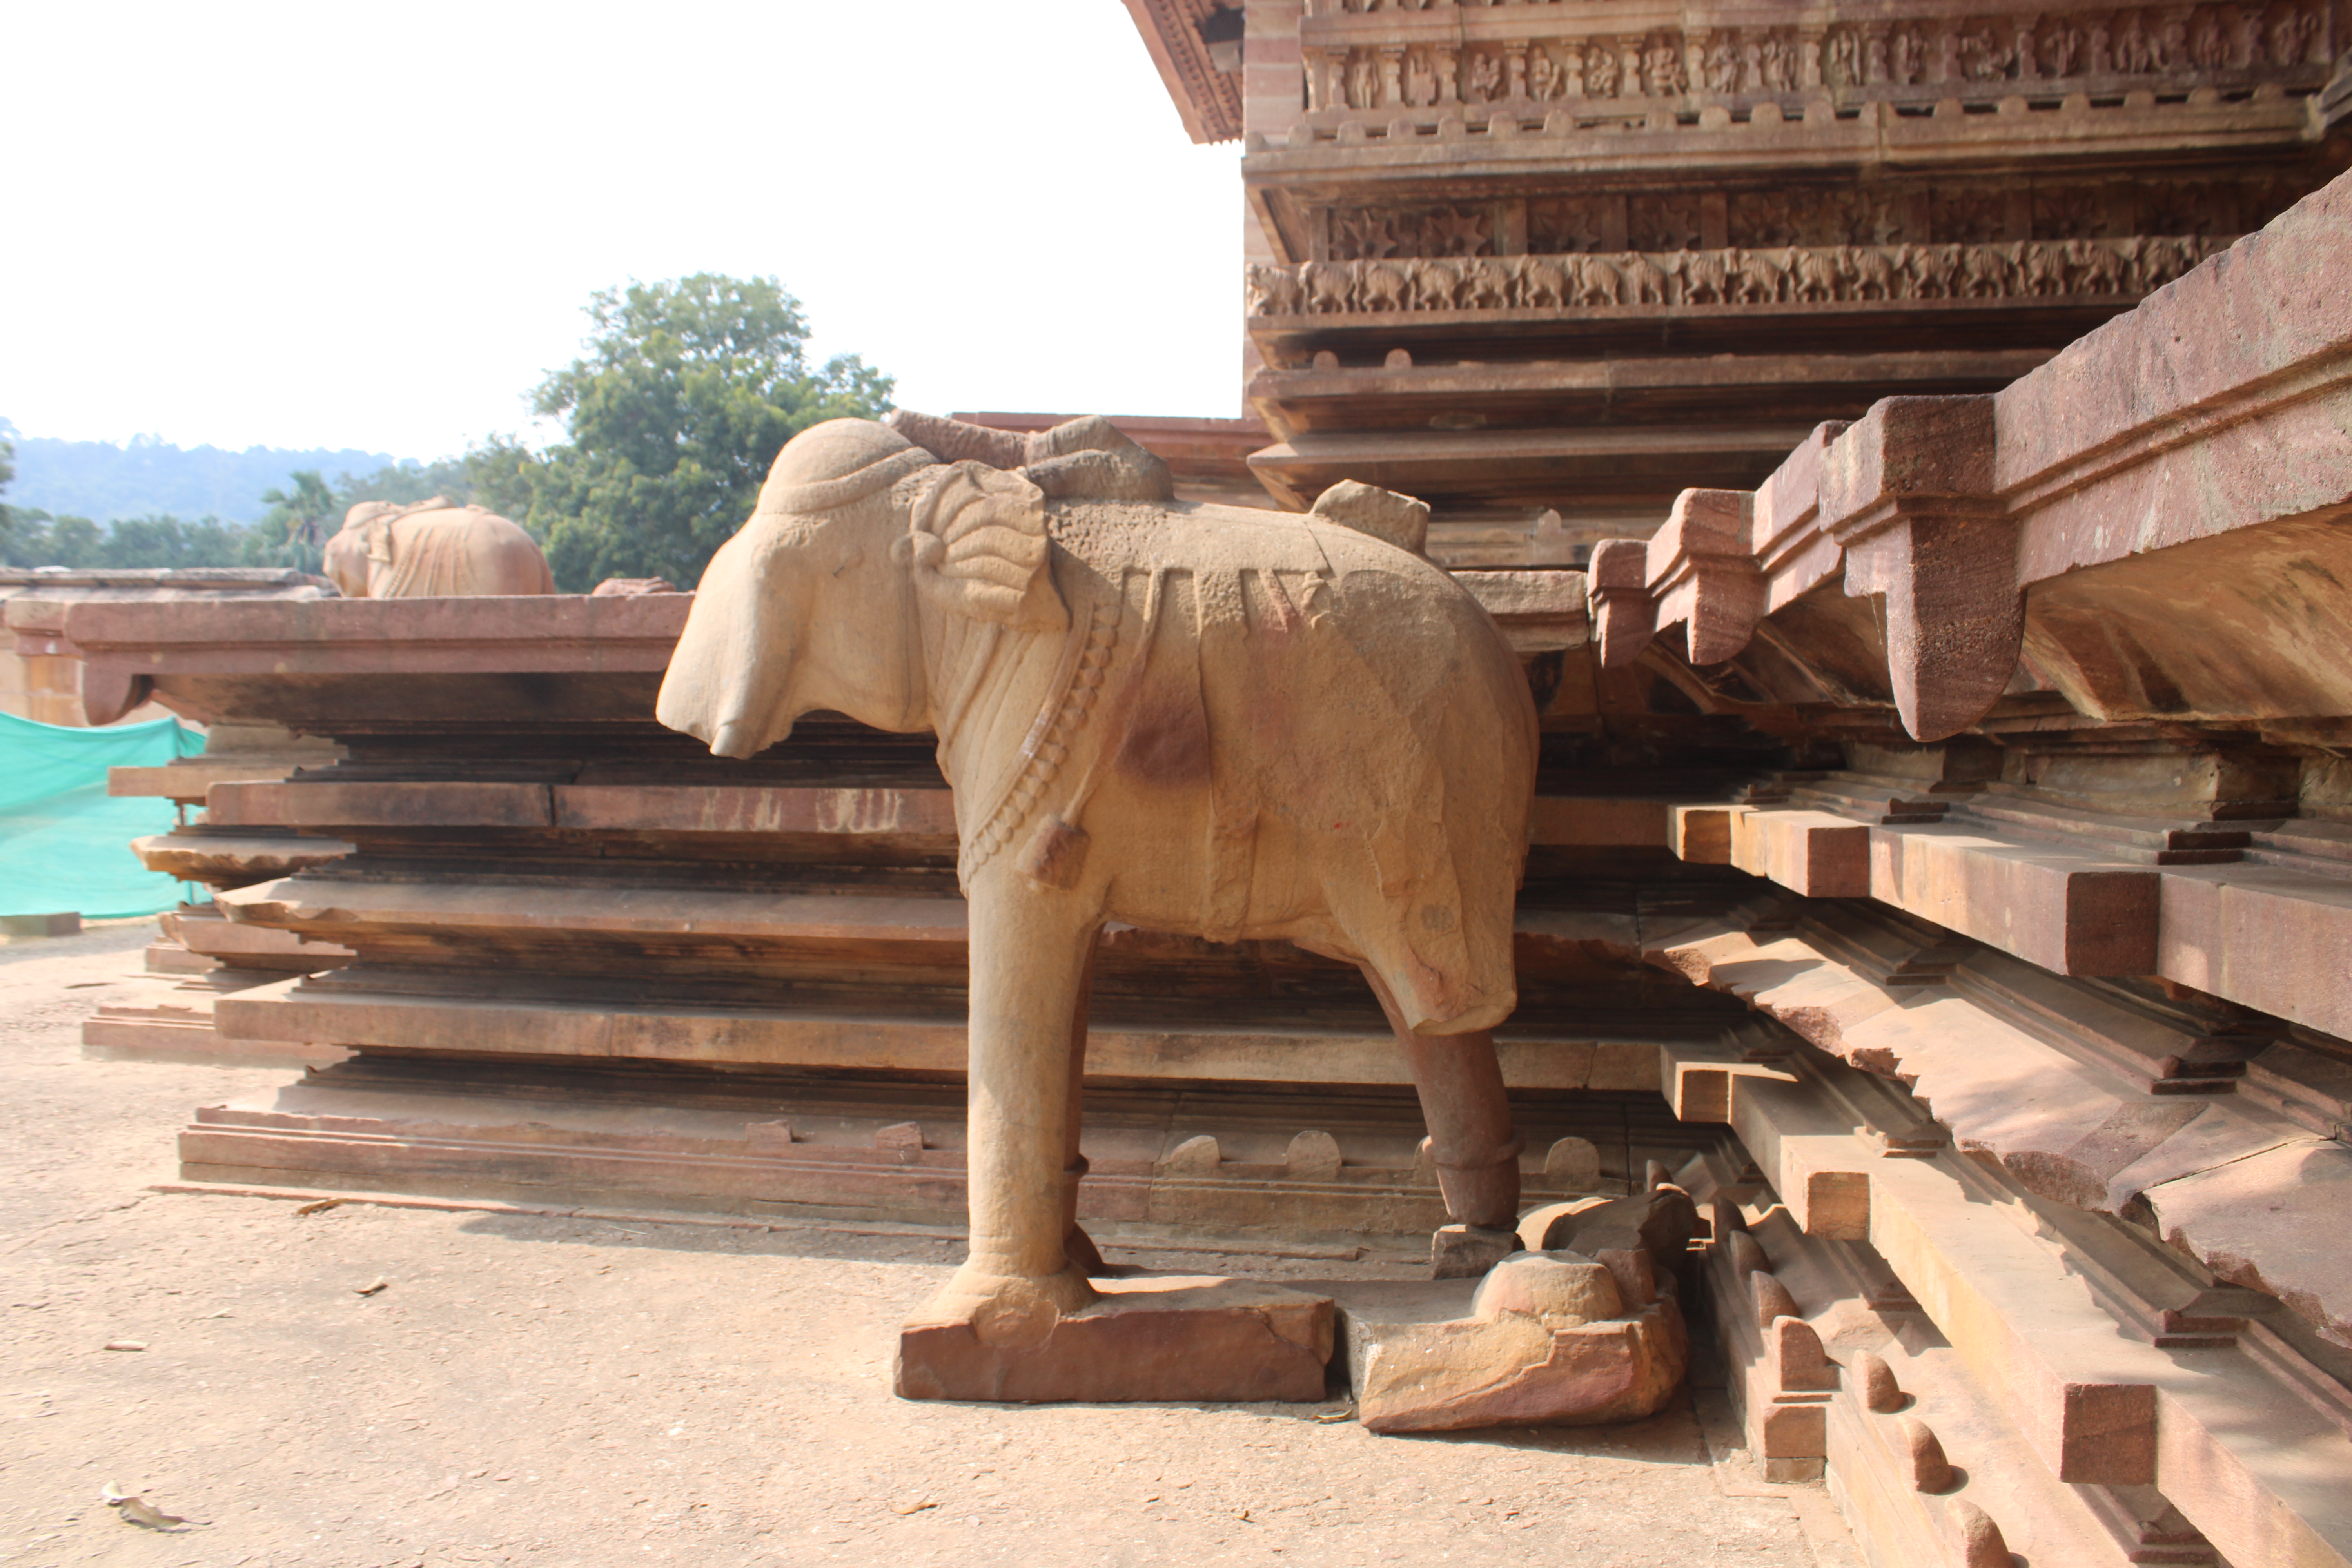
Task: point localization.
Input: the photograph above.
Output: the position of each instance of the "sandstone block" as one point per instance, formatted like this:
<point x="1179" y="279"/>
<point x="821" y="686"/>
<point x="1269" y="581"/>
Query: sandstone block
<point x="1174" y="1339"/>
<point x="1418" y="1364"/>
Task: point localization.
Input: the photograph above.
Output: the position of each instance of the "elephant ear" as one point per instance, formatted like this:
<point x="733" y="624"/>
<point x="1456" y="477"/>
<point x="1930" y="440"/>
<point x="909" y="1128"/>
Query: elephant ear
<point x="977" y="547"/>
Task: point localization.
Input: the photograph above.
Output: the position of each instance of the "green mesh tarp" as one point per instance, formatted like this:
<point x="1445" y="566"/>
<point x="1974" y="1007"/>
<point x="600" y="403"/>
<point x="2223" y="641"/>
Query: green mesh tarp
<point x="65" y="846"/>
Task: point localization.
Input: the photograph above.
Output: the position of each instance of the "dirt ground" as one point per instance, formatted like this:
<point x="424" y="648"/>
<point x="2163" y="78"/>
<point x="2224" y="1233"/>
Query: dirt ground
<point x="567" y="1391"/>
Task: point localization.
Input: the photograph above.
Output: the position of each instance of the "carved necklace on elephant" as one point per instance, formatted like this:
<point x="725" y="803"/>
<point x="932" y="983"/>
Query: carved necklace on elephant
<point x="1075" y="692"/>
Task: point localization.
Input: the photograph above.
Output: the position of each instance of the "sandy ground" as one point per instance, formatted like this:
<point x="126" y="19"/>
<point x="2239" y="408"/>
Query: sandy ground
<point x="577" y="1392"/>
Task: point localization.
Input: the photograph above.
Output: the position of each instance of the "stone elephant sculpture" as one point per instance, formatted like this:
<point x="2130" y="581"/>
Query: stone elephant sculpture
<point x="1189" y="718"/>
<point x="433" y="550"/>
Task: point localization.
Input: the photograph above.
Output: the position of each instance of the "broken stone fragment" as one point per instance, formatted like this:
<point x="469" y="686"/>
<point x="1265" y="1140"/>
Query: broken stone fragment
<point x="1547" y="1339"/>
<point x="1660" y="1222"/>
<point x="1561" y="1288"/>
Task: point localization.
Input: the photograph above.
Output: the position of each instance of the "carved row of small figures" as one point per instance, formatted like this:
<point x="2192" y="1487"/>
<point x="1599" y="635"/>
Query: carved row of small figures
<point x="1736" y="276"/>
<point x="1670" y="62"/>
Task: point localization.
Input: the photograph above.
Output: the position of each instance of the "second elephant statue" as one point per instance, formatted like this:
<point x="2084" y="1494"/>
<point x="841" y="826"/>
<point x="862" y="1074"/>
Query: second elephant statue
<point x="433" y="550"/>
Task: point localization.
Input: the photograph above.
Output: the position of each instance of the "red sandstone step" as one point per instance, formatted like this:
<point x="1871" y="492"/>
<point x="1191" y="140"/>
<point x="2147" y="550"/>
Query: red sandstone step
<point x="918" y="816"/>
<point x="765" y="1144"/>
<point x="352" y="906"/>
<point x="879" y="1031"/>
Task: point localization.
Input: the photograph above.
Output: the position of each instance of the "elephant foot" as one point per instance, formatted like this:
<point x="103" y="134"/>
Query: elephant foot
<point x="1467" y="1251"/>
<point x="1010" y="1310"/>
<point x="1087" y="1258"/>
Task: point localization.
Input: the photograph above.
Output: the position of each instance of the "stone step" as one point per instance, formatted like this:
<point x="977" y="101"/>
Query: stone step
<point x="912" y="816"/>
<point x="1238" y="1040"/>
<point x="862" y="1147"/>
<point x="169" y="1018"/>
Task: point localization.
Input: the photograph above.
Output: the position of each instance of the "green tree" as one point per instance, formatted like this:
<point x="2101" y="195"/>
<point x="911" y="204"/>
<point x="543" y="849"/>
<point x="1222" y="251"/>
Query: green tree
<point x="293" y="531"/>
<point x="33" y="538"/>
<point x="687" y="391"/>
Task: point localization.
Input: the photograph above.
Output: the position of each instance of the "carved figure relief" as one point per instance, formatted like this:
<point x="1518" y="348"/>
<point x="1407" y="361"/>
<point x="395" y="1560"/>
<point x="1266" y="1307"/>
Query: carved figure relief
<point x="1601" y="76"/>
<point x="1663" y="72"/>
<point x="1735" y="275"/>
<point x="1485" y="81"/>
<point x="1983" y="52"/>
<point x="1546" y="78"/>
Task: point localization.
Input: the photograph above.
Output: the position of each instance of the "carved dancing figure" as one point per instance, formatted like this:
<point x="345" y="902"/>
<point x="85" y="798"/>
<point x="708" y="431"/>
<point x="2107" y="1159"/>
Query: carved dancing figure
<point x="1907" y="57"/>
<point x="1719" y="65"/>
<point x="1602" y="75"/>
<point x="1485" y="78"/>
<point x="1543" y="76"/>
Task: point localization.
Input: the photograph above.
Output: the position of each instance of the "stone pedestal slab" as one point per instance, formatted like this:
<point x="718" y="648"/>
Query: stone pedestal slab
<point x="1186" y="1338"/>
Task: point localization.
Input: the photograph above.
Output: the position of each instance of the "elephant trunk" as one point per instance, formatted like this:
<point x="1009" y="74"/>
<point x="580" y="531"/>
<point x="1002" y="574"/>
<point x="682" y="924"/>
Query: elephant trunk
<point x="727" y="677"/>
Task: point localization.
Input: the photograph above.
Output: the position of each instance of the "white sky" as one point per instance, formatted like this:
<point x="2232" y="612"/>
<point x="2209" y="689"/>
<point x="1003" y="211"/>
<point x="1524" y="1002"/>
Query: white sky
<point x="375" y="227"/>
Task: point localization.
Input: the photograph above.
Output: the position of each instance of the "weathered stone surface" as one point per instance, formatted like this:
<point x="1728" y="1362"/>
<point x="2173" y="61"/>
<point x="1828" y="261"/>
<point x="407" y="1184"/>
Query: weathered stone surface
<point x="1660" y="1222"/>
<point x="1169" y="1338"/>
<point x="1424" y="1359"/>
<point x="1466" y="1251"/>
<point x="1396" y="519"/>
<point x="1559" y="1286"/>
<point x="2271" y="1222"/>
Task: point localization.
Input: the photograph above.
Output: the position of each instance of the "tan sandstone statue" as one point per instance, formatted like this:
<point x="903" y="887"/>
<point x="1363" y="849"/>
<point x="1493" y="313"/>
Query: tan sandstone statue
<point x="1189" y="718"/>
<point x="433" y="550"/>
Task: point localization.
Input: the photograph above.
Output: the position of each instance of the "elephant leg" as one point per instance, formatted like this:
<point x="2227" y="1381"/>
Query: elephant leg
<point x="1083" y="1252"/>
<point x="1471" y="1139"/>
<point x="1029" y="958"/>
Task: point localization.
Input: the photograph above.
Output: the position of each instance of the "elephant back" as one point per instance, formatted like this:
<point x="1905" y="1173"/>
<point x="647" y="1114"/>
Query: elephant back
<point x="453" y="552"/>
<point x="1344" y="700"/>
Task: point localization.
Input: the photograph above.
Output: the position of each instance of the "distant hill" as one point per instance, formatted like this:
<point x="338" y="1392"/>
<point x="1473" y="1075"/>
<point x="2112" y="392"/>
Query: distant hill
<point x="100" y="481"/>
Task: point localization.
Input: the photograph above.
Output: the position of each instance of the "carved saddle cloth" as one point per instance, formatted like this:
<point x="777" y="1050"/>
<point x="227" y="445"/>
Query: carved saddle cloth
<point x="1294" y="672"/>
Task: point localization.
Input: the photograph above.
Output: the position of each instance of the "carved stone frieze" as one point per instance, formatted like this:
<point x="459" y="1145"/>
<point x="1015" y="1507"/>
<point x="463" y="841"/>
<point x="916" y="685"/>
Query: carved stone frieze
<point x="1559" y="53"/>
<point x="1733" y="276"/>
<point x="1962" y="211"/>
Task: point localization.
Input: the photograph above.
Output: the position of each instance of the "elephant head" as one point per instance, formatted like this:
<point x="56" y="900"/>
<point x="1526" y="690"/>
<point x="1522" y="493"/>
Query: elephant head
<point x="860" y="540"/>
<point x="360" y="539"/>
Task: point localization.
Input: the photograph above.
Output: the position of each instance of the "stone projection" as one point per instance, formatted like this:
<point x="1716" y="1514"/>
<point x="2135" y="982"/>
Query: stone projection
<point x="432" y="550"/>
<point x="1234" y="724"/>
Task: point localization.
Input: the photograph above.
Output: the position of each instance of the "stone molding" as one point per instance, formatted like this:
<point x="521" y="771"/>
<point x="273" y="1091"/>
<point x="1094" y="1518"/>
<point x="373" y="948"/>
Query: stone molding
<point x="1733" y="279"/>
<point x="2002" y="1372"/>
<point x="1969" y="516"/>
<point x="1362" y="57"/>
